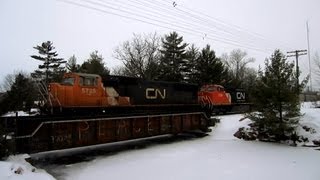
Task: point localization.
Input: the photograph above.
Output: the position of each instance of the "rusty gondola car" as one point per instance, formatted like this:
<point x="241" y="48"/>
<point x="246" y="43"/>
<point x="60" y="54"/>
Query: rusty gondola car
<point x="85" y="109"/>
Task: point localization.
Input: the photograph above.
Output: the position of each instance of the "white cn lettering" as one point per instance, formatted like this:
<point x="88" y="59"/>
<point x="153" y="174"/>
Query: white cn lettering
<point x="152" y="93"/>
<point x="241" y="95"/>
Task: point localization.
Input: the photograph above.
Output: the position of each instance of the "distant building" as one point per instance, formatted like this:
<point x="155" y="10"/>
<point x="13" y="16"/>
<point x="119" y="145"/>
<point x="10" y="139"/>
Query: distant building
<point x="310" y="96"/>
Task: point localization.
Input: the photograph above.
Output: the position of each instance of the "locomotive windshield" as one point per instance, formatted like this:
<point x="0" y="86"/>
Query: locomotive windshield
<point x="68" y="81"/>
<point x="212" y="88"/>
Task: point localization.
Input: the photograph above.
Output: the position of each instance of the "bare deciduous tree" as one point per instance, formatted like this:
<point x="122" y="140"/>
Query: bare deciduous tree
<point x="237" y="62"/>
<point x="7" y="82"/>
<point x="119" y="71"/>
<point x="140" y="56"/>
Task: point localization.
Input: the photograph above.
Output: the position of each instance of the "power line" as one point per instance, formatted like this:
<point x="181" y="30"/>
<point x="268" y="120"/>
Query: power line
<point x="169" y="17"/>
<point x="185" y="30"/>
<point x="235" y="27"/>
<point x="203" y="21"/>
<point x="186" y="24"/>
<point x="187" y="16"/>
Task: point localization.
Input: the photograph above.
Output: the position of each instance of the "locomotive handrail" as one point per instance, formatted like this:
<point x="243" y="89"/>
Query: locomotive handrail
<point x="57" y="99"/>
<point x="105" y="119"/>
<point x="41" y="89"/>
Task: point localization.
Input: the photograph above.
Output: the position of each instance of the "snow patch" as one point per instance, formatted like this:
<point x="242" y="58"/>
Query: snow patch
<point x="33" y="112"/>
<point x="309" y="125"/>
<point x="17" y="168"/>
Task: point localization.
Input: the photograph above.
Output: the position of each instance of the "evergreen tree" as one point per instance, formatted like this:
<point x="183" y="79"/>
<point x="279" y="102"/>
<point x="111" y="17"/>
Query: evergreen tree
<point x="173" y="61"/>
<point x="249" y="81"/>
<point x="50" y="69"/>
<point x="192" y="56"/>
<point x="208" y="68"/>
<point x="4" y="103"/>
<point x="94" y="65"/>
<point x="276" y="100"/>
<point x="21" y="95"/>
<point x="57" y="74"/>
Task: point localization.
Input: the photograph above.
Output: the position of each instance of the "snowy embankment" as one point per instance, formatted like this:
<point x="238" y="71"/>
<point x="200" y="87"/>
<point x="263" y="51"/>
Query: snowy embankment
<point x="217" y="156"/>
<point x="16" y="168"/>
<point x="310" y="124"/>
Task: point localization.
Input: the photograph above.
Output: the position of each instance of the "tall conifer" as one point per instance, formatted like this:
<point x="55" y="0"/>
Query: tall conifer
<point x="173" y="60"/>
<point x="276" y="99"/>
<point x="50" y="69"/>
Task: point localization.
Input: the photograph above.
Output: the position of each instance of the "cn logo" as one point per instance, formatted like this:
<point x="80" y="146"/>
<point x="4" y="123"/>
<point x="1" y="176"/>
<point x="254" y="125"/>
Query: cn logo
<point x="241" y="95"/>
<point x="154" y="93"/>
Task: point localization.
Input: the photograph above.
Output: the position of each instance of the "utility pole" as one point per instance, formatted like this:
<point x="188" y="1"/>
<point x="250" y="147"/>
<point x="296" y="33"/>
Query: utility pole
<point x="309" y="56"/>
<point x="297" y="53"/>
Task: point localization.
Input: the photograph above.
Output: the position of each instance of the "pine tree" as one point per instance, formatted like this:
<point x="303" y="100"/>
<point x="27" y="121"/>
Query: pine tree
<point x="94" y="65"/>
<point x="192" y="55"/>
<point x="208" y="68"/>
<point x="21" y="95"/>
<point x="50" y="69"/>
<point x="276" y="100"/>
<point x="173" y="59"/>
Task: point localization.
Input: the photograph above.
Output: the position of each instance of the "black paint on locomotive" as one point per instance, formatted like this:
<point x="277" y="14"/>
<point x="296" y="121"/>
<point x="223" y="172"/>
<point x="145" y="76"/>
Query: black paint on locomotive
<point x="238" y="95"/>
<point x="144" y="92"/>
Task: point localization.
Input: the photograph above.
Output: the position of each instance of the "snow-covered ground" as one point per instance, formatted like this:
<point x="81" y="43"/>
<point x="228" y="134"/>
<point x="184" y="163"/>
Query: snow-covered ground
<point x="217" y="156"/>
<point x="32" y="112"/>
<point x="311" y="119"/>
<point x="16" y="168"/>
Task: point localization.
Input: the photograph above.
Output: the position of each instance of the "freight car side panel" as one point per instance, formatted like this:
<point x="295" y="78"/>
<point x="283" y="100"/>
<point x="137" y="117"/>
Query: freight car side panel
<point x="54" y="135"/>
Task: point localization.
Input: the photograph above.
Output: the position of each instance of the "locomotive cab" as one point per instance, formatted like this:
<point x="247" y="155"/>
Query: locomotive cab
<point x="214" y="98"/>
<point x="214" y="94"/>
<point x="79" y="90"/>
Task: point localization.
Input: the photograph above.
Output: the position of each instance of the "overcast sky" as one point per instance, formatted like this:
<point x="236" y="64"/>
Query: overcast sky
<point x="81" y="26"/>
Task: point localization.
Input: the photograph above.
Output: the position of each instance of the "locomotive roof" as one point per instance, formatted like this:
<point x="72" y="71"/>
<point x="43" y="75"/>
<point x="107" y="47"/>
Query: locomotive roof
<point x="136" y="79"/>
<point x="128" y="79"/>
<point x="87" y="75"/>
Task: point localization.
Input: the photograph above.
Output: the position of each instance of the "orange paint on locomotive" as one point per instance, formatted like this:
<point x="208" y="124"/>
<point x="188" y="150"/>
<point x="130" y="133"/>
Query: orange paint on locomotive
<point x="84" y="90"/>
<point x="214" y="95"/>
